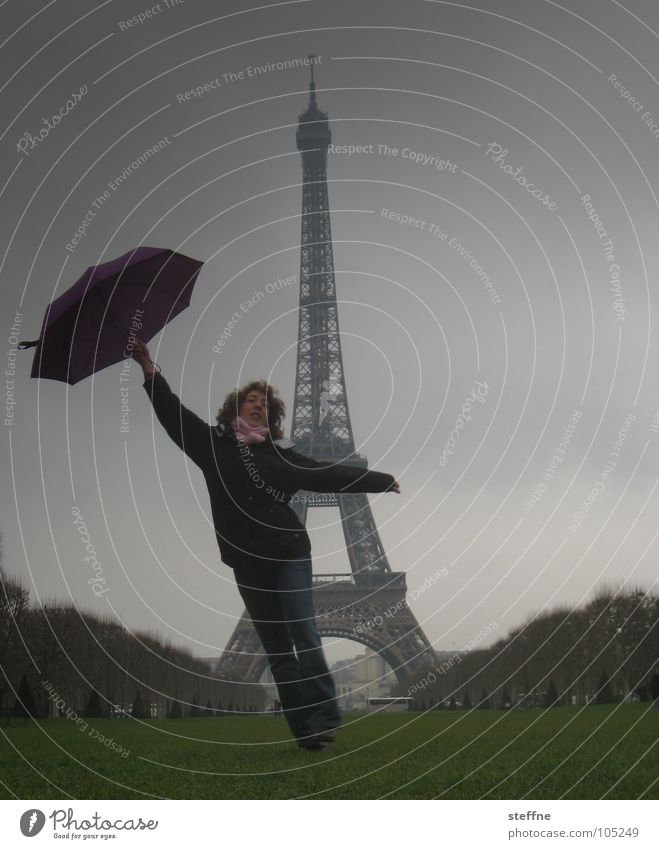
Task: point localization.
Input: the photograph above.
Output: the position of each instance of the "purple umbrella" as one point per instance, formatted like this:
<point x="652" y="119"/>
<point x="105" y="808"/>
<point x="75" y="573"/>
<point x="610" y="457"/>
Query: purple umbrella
<point x="94" y="323"/>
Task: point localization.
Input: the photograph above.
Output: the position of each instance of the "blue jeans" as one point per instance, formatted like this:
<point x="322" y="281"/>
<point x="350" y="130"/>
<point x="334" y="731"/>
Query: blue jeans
<point x="279" y="599"/>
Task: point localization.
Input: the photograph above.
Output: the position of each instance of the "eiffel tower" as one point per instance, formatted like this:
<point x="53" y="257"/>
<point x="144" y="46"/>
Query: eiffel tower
<point x="368" y="604"/>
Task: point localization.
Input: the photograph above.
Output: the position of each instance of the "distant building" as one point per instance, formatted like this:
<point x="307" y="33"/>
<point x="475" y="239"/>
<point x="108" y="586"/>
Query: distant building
<point x="357" y="679"/>
<point x="361" y="677"/>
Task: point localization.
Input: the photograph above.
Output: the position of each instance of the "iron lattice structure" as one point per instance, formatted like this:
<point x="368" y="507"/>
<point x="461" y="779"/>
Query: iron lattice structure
<point x="368" y="604"/>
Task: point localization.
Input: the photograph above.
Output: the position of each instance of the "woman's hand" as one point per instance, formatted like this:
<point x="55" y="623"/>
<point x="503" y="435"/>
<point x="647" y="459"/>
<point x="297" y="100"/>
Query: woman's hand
<point x="395" y="487"/>
<point x="141" y="355"/>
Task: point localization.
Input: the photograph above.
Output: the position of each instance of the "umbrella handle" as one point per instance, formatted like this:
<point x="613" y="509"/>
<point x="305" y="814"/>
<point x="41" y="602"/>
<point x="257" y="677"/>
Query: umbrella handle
<point x="115" y="320"/>
<point x="33" y="344"/>
<point x="110" y="311"/>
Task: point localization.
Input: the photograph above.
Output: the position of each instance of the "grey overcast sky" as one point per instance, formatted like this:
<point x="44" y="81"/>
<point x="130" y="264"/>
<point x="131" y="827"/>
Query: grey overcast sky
<point x="495" y="219"/>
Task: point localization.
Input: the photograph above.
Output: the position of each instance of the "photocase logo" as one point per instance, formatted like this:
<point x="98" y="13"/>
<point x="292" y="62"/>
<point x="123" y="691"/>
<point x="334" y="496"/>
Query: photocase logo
<point x="32" y="822"/>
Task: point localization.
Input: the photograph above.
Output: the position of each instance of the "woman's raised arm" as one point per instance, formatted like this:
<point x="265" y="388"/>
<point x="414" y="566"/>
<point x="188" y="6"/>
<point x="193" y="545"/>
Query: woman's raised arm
<point x="191" y="433"/>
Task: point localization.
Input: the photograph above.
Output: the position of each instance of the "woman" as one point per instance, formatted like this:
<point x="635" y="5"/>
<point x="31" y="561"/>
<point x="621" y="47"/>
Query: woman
<point x="252" y="473"/>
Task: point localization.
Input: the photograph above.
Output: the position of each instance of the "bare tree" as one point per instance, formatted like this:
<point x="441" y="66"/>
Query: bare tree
<point x="14" y="603"/>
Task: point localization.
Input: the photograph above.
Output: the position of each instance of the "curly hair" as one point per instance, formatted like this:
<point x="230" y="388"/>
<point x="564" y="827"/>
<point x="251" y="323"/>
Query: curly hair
<point x="275" y="407"/>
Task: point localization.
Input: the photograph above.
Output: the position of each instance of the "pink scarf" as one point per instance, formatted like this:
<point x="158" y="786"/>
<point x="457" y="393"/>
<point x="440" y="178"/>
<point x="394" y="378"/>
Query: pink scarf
<point x="248" y="434"/>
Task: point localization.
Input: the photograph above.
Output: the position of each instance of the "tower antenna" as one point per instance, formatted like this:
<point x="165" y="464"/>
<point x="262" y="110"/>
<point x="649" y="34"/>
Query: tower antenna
<point x="312" y="84"/>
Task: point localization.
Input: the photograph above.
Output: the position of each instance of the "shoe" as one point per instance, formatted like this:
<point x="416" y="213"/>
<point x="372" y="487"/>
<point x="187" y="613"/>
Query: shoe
<point x="312" y="746"/>
<point x="318" y="737"/>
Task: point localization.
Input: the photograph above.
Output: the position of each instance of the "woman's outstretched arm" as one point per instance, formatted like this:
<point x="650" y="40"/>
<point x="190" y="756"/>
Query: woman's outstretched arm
<point x="188" y="431"/>
<point x="302" y="472"/>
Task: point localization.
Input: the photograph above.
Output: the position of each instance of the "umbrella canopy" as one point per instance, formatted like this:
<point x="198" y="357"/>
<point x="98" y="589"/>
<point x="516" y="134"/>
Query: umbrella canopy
<point x="94" y="323"/>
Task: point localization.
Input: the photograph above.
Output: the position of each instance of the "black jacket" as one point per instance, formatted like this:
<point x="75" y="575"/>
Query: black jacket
<point x="250" y="485"/>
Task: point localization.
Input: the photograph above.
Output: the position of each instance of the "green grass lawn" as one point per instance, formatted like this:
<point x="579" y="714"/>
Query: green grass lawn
<point x="573" y="753"/>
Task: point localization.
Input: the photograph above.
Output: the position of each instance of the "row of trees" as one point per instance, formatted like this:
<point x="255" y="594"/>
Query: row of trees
<point x="57" y="658"/>
<point x="606" y="651"/>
